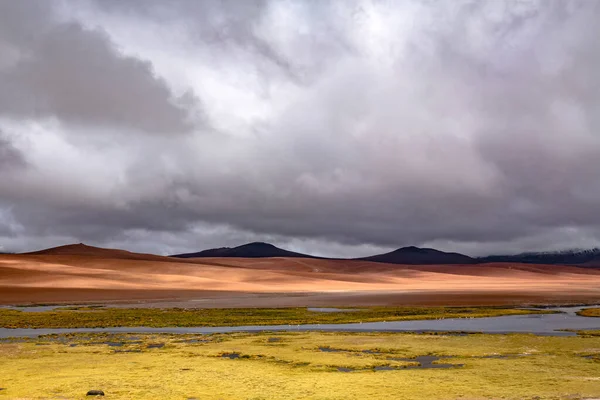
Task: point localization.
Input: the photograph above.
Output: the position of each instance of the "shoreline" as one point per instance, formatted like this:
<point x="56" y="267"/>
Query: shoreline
<point x="17" y="296"/>
<point x="563" y="321"/>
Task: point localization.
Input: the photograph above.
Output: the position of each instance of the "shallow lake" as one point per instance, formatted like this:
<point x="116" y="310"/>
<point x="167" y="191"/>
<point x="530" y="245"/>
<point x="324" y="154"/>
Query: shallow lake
<point x="31" y="308"/>
<point x="539" y="324"/>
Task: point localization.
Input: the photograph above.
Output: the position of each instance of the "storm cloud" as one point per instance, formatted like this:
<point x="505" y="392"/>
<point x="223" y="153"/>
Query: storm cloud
<point x="337" y="128"/>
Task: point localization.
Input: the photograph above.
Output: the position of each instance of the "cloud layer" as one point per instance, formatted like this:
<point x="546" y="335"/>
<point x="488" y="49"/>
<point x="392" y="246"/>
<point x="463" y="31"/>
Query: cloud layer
<point x="339" y="128"/>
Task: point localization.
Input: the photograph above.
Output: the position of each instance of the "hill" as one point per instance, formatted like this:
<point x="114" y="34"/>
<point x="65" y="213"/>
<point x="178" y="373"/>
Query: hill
<point x="589" y="258"/>
<point x="78" y="273"/>
<point x="250" y="250"/>
<point x="420" y="256"/>
<point x="81" y="249"/>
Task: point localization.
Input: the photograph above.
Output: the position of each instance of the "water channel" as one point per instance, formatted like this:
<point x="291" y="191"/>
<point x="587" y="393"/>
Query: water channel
<point x="539" y="324"/>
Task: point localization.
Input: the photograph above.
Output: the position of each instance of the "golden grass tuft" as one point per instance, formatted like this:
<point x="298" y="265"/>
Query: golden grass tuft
<point x="293" y="366"/>
<point x="589" y="312"/>
<point x="86" y="317"/>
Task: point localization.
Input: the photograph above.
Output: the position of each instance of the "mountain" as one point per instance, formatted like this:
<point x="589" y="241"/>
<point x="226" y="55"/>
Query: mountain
<point x="250" y="250"/>
<point x="405" y="255"/>
<point x="81" y="249"/>
<point x="589" y="257"/>
<point x="420" y="256"/>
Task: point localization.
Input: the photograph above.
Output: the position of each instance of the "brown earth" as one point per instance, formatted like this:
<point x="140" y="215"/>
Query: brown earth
<point x="79" y="273"/>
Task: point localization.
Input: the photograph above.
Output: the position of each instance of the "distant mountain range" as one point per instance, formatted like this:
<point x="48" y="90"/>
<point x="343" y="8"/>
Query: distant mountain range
<point x="412" y="255"/>
<point x="405" y="255"/>
<point x="588" y="257"/>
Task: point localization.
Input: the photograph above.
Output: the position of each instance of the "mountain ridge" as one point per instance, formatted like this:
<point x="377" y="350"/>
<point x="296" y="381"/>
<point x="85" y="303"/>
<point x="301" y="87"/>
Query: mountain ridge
<point x="83" y="250"/>
<point x="587" y="257"/>
<point x="412" y="255"/>
<point x="248" y="250"/>
<point x="409" y="255"/>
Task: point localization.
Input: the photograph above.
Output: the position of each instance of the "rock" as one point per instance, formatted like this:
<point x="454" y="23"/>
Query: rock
<point x="95" y="393"/>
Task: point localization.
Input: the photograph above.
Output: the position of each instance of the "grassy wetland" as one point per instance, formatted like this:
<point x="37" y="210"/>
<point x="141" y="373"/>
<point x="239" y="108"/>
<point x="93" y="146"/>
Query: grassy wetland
<point x="312" y="365"/>
<point x="590" y="312"/>
<point x="92" y="317"/>
<point x="290" y="365"/>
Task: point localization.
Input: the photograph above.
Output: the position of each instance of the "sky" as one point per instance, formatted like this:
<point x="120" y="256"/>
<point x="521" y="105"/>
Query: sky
<point x="337" y="128"/>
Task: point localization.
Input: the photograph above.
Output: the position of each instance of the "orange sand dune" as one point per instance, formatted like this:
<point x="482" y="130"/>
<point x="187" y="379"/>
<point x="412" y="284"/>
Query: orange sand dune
<point x="79" y="273"/>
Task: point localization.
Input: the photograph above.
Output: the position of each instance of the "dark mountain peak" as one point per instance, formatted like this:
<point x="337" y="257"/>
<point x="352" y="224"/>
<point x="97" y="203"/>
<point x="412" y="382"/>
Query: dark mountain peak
<point x="420" y="256"/>
<point x="409" y="248"/>
<point x="248" y="250"/>
<point x="421" y="250"/>
<point x="258" y="245"/>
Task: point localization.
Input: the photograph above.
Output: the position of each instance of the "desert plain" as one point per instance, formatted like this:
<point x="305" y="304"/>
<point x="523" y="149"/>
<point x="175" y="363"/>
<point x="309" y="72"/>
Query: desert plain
<point x="80" y="274"/>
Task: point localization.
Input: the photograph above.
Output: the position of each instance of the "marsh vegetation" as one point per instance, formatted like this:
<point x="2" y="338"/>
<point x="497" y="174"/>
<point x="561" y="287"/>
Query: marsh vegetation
<point x="590" y="312"/>
<point x="289" y="365"/>
<point x="93" y="317"/>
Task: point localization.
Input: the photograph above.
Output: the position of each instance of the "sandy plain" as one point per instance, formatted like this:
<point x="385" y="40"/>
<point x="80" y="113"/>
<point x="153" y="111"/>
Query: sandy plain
<point x="84" y="274"/>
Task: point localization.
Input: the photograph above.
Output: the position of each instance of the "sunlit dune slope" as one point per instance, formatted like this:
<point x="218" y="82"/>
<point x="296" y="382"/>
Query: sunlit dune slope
<point x="80" y="267"/>
<point x="99" y="252"/>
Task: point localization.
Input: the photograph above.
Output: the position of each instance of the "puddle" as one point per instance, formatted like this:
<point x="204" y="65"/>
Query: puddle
<point x="426" y="362"/>
<point x="331" y="350"/>
<point x="231" y="356"/>
<point x="274" y="340"/>
<point x="114" y="344"/>
<point x="386" y="368"/>
<point x="31" y="308"/>
<point x="155" y="346"/>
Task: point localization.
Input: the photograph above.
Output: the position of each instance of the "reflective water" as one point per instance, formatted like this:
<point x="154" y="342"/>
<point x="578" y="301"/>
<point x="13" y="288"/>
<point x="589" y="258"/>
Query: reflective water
<point x="31" y="308"/>
<point x="539" y="324"/>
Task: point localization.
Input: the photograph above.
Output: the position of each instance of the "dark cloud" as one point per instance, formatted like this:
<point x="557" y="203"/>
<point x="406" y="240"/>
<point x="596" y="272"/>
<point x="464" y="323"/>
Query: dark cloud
<point x="336" y="127"/>
<point x="63" y="70"/>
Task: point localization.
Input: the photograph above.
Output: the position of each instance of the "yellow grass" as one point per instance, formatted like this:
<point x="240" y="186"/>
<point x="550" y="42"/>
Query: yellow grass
<point x="590" y="312"/>
<point x="293" y="367"/>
